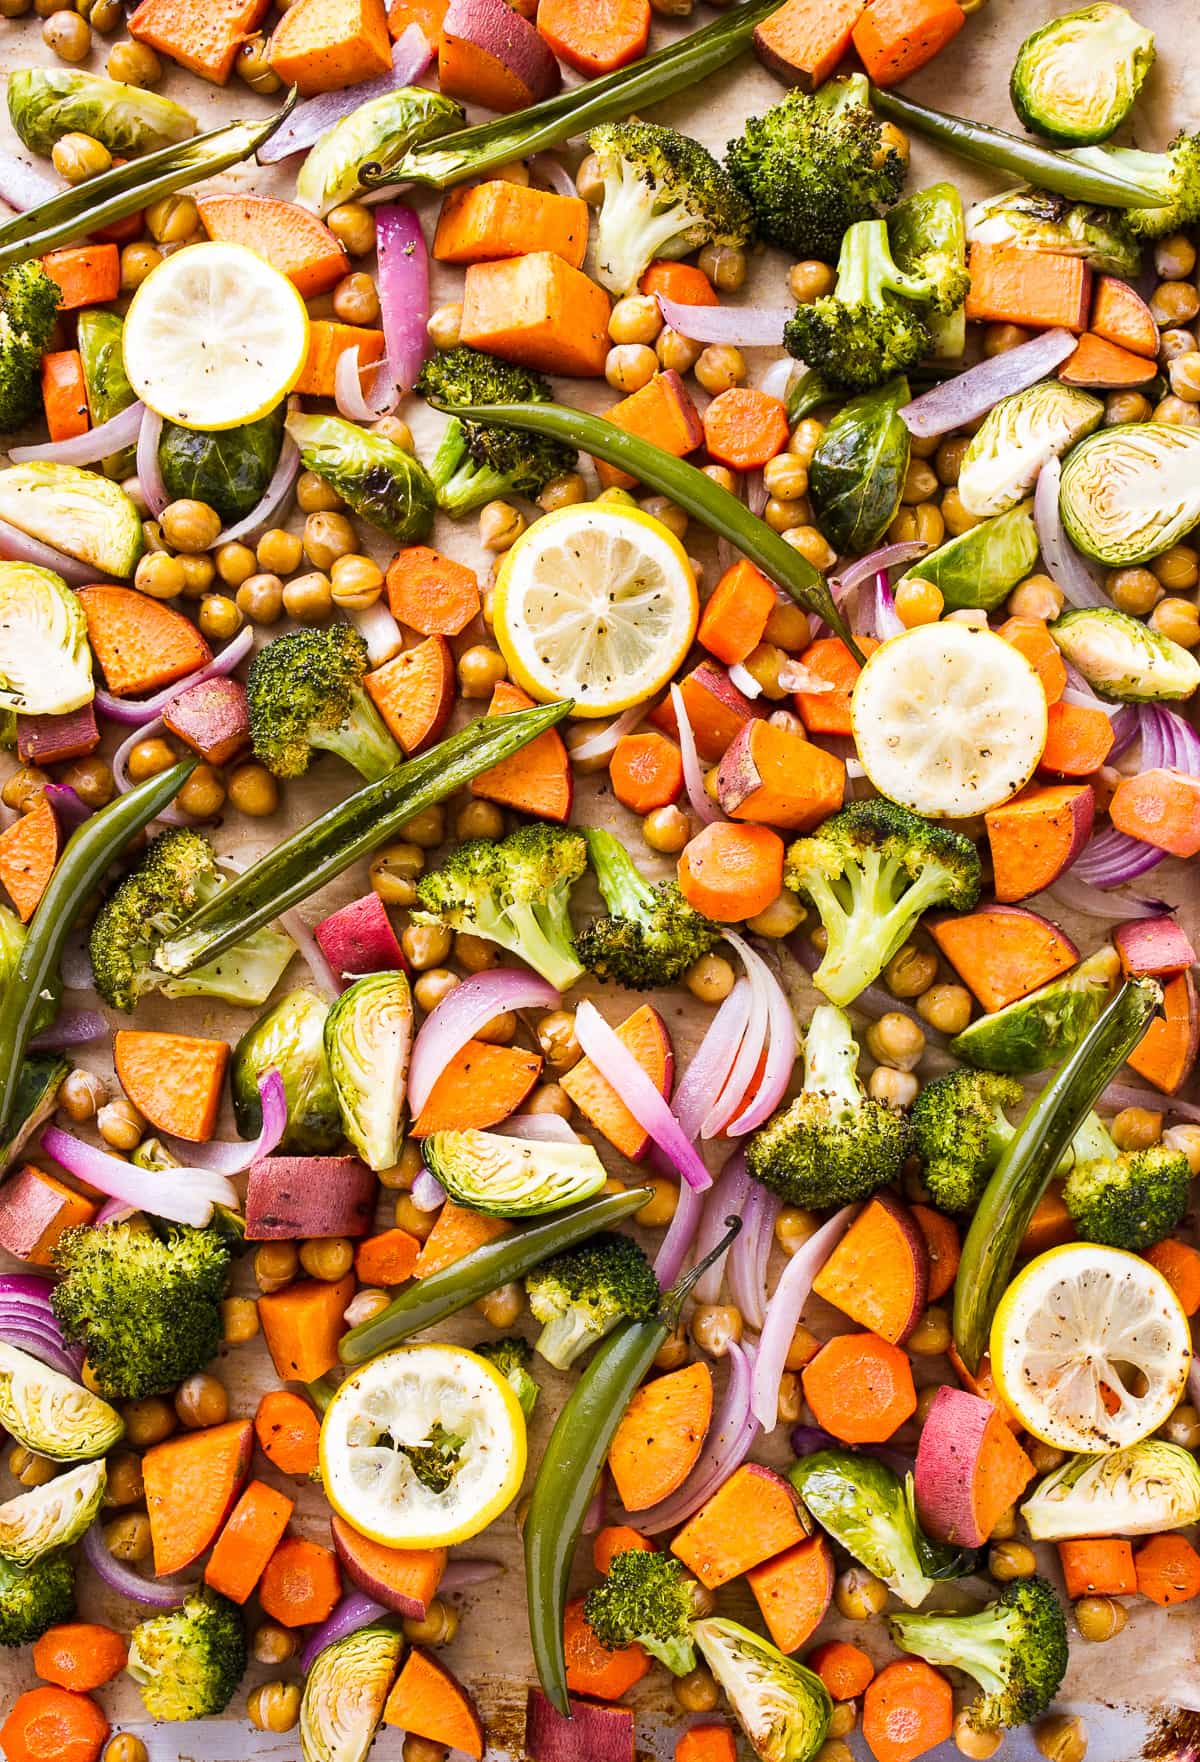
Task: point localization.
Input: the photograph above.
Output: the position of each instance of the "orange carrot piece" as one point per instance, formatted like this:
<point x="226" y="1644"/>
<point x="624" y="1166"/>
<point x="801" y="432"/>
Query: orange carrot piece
<point x="301" y="1583"/>
<point x="1042" y="289"/>
<point x="735" y="615"/>
<point x="291" y="239"/>
<point x="860" y="1388"/>
<point x="254" y="1529"/>
<point x="942" y="1247"/>
<point x="614" y="1539"/>
<point x="203" y="35"/>
<point x="1051" y="1225"/>
<point x="793" y="1591"/>
<point x="1099" y="365"/>
<point x="80" y="1655"/>
<point x="683" y="282"/>
<point x="86" y="275"/>
<point x="1036" y="836"/>
<point x="140" y="643"/>
<point x="828" y="712"/>
<point x="1003" y="952"/>
<point x="386" y="1259"/>
<point x="191" y="1483"/>
<point x="538" y="311"/>
<point x="28" y="853"/>
<point x="328" y="341"/>
<point x="706" y="1743"/>
<point x="1121" y="316"/>
<point x="1101" y="1567"/>
<point x="174" y="1079"/>
<point x="750" y="1518"/>
<point x="1161" y="808"/>
<point x="480" y="1086"/>
<point x="908" y="1709"/>
<point x="730" y="872"/>
<point x="1078" y="740"/>
<point x="715" y="708"/>
<point x="1031" y="637"/>
<point x="414" y="692"/>
<point x="1168" y="1570"/>
<point x="660" y="1436"/>
<point x="432" y="594"/>
<point x="288" y="1432"/>
<point x="744" y="427"/>
<point x="776" y="778"/>
<point x="481" y="222"/>
<point x="595" y="36"/>
<point x="64" y="395"/>
<point x="1179" y="1264"/>
<point x="645" y="771"/>
<point x="878" y="1274"/>
<point x="803" y="43"/>
<point x="324" y="45"/>
<point x="644" y="1035"/>
<point x="845" y="1670"/>
<point x="896" y="37"/>
<point x="593" y="1669"/>
<point x="1167" y="1050"/>
<point x="428" y="1702"/>
<point x="457" y="1232"/>
<point x="537" y="780"/>
<point x="662" y="412"/>
<point x="302" y="1325"/>
<point x="35" y="1209"/>
<point x="53" y="1725"/>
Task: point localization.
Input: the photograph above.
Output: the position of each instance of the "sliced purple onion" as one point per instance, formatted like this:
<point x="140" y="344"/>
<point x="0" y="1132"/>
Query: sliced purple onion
<point x="428" y="1194"/>
<point x="961" y="400"/>
<point x="886" y="557"/>
<point x="411" y="55"/>
<point x="17" y="547"/>
<point x="355" y="404"/>
<point x="603" y="743"/>
<point x="149" y="471"/>
<point x="1077" y="691"/>
<point x="73" y="1027"/>
<point x="354" y="1611"/>
<point x="756" y="492"/>
<point x="460" y="1575"/>
<point x="379" y="630"/>
<point x="296" y="926"/>
<point x="1193" y="1381"/>
<point x="730" y="1436"/>
<point x="26" y="1311"/>
<point x="70" y="809"/>
<point x="784" y="1311"/>
<point x="1063" y="562"/>
<point x="460" y="1015"/>
<point x="76" y="966"/>
<point x="779" y="1041"/>
<point x="747" y="327"/>
<point x="745" y="681"/>
<point x="150" y="1593"/>
<point x="617" y="1065"/>
<point x="807" y="1440"/>
<point x="888" y="622"/>
<point x="727" y="1198"/>
<point x="136" y="712"/>
<point x="112" y="1212"/>
<point x="543" y="1128"/>
<point x="702" y="804"/>
<point x="553" y="173"/>
<point x="1168" y="740"/>
<point x="403" y="291"/>
<point x="274" y="500"/>
<point x="1126" y="726"/>
<point x="184" y="1195"/>
<point x="593" y="1517"/>
<point x="712" y="1061"/>
<point x="1078" y="895"/>
<point x="751" y="1252"/>
<point x="231" y="1157"/>
<point x="84" y="449"/>
<point x="25" y="186"/>
<point x="795" y="676"/>
<point x="1111" y="857"/>
<point x="25" y="1337"/>
<point x="1121" y="1095"/>
<point x="675" y="1246"/>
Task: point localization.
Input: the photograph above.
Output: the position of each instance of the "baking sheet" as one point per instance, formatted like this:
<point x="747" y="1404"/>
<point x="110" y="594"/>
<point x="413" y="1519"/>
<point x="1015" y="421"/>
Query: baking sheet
<point x="1122" y="1687"/>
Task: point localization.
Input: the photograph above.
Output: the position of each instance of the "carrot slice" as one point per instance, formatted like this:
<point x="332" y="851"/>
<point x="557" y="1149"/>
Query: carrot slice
<point x="432" y="594"/>
<point x="53" y="1725"/>
<point x="845" y="1670"/>
<point x="595" y="36"/>
<point x="907" y="1710"/>
<point x="860" y="1388"/>
<point x="735" y="615"/>
<point x="1168" y="1570"/>
<point x="646" y="771"/>
<point x="79" y="1655"/>
<point x="614" y="1539"/>
<point x="301" y="1583"/>
<point x="1102" y="1567"/>
<point x="593" y="1669"/>
<point x="1179" y="1264"/>
<point x="744" y="427"/>
<point x="732" y="871"/>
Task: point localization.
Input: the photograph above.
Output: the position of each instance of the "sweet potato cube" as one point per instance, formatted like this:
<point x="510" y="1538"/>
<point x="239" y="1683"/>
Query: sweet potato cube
<point x="203" y="35"/>
<point x="1041" y="289"/>
<point x="86" y="275"/>
<point x="803" y="43"/>
<point x="643" y="1034"/>
<point x="28" y="853"/>
<point x="970" y="1469"/>
<point x="1003" y="952"/>
<point x="661" y="1435"/>
<point x="292" y="240"/>
<point x="1121" y="316"/>
<point x="480" y="1086"/>
<point x="192" y="1481"/>
<point x="302" y="1325"/>
<point x="715" y="707"/>
<point x="749" y="1519"/>
<point x="1038" y="835"/>
<point x="428" y="1702"/>
<point x="776" y="778"/>
<point x="35" y="1209"/>
<point x="482" y="222"/>
<point x="537" y="780"/>
<point x="140" y="643"/>
<point x="662" y="412"/>
<point x="538" y="311"/>
<point x="414" y="692"/>
<point x="52" y="740"/>
<point x="328" y="341"/>
<point x="1166" y="1053"/>
<point x="173" y="1079"/>
<point x="323" y="45"/>
<point x="736" y="613"/>
<point x="1098" y="365"/>
<point x="793" y="1591"/>
<point x="878" y="1274"/>
<point x="213" y="718"/>
<point x="1156" y="948"/>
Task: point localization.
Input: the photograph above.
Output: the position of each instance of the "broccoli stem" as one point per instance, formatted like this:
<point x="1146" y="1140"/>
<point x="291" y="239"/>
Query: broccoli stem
<point x="546" y="946"/>
<point x="625" y="893"/>
<point x="362" y="739"/>
<point x="831" y="1056"/>
<point x="866" y="268"/>
<point x="865" y="939"/>
<point x="974" y="1643"/>
<point x="460" y="483"/>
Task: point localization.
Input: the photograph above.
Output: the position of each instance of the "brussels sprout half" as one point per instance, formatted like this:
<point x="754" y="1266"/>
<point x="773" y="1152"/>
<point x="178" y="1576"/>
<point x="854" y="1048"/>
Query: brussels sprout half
<point x="76" y="511"/>
<point x="345" y="1692"/>
<point x="1150" y="1487"/>
<point x="229" y="469"/>
<point x="783" y="1708"/>
<point x="381" y="482"/>
<point x="981" y="566"/>
<point x="862" y="1504"/>
<point x="1075" y="79"/>
<point x="858" y="470"/>
<point x="383" y="128"/>
<point x="1017" y="437"/>
<point x="1131" y="492"/>
<point x="1122" y="658"/>
<point x="47" y="103"/>
<point x="1042" y="1029"/>
<point x="1038" y="220"/>
<point x="368" y="1035"/>
<point x="53" y="1516"/>
<point x="51" y="1414"/>
<point x="100" y="336"/>
<point x="513" y="1177"/>
<point x="45" y="661"/>
<point x="289" y="1039"/>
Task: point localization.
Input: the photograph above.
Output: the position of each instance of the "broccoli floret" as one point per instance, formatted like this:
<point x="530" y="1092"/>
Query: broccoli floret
<point x="664" y="196"/>
<point x="815" y="164"/>
<point x="871" y="327"/>
<point x="834" y="1144"/>
<point x="146" y="1309"/>
<point x="646" y="1600"/>
<point x="33" y="1598"/>
<point x="474" y="464"/>
<point x="1171" y="179"/>
<point x="512" y="1357"/>
<point x="650" y="936"/>
<point x="581" y="1295"/>
<point x="1015" y="1649"/>
<point x="1126" y="1199"/>
<point x="435" y="1462"/>
<point x="177" y="873"/>
<point x="515" y="893"/>
<point x="28" y="303"/>
<point x="305" y="693"/>
<point x="869" y="872"/>
<point x="189" y="1662"/>
<point x="960" y="1132"/>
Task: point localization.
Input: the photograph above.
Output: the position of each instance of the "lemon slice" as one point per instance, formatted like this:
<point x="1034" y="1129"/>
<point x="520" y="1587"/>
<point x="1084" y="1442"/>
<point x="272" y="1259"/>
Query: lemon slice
<point x="1090" y="1348"/>
<point x="948" y="719"/>
<point x="595" y="603"/>
<point x="445" y="1400"/>
<point x="215" y="337"/>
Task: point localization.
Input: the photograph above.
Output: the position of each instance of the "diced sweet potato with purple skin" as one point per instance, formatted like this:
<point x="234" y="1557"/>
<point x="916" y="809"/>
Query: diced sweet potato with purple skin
<point x="593" y="1733"/>
<point x="35" y="1209"/>
<point x="970" y="1469"/>
<point x="213" y="718"/>
<point x="291" y="1197"/>
<point x="359" y="939"/>
<point x="52" y="740"/>
<point x="1155" y="948"/>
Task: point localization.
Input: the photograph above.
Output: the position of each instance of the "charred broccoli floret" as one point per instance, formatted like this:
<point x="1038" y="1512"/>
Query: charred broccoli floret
<point x="815" y="164"/>
<point x="306" y="695"/>
<point x="1170" y="179"/>
<point x="146" y="1309"/>
<point x="474" y="464"/>
<point x="435" y="1461"/>
<point x="834" y="1144"/>
<point x="515" y="893"/>
<point x="512" y="1357"/>
<point x="581" y="1295"/>
<point x="650" y="935"/>
<point x="664" y="196"/>
<point x="960" y="1132"/>
<point x="869" y="872"/>
<point x="177" y="873"/>
<point x="872" y="326"/>
<point x="34" y="1598"/>
<point x="189" y="1662"/>
<point x="1015" y="1649"/>
<point x="1126" y="1199"/>
<point x="645" y="1600"/>
<point x="28" y="305"/>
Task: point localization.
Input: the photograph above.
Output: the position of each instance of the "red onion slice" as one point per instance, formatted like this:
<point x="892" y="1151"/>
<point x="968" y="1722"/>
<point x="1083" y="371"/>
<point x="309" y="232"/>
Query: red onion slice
<point x="972" y="394"/>
<point x="74" y="1027"/>
<point x="460" y="1015"/>
<point x="593" y="1517"/>
<point x="1193" y="1382"/>
<point x="1121" y="1095"/>
<point x="730" y="1436"/>
<point x="17" y="547"/>
<point x="70" y="810"/>
<point x="411" y="55"/>
<point x="712" y="1061"/>
<point x="275" y="497"/>
<point x="428" y="1194"/>
<point x="154" y="490"/>
<point x="745" y="681"/>
<point x="461" y="1574"/>
<point x="1078" y="691"/>
<point x="543" y="1128"/>
<point x="231" y="1157"/>
<point x="38" y="1345"/>
<point x="112" y="1212"/>
<point x="748" y="327"/>
<point x="1111" y="857"/>
<point x="619" y="1068"/>
<point x="380" y="631"/>
<point x="149" y="1593"/>
<point x="184" y="1195"/>
<point x="553" y="173"/>
<point x="1078" y="895"/>
<point x="888" y="622"/>
<point x="784" y="1311"/>
<point x="84" y="449"/>
<point x="354" y="1611"/>
<point x="135" y="712"/>
<point x="780" y="1044"/>
<point x="751" y="1252"/>
<point x="352" y="401"/>
<point x="726" y="1199"/>
<point x="795" y="676"/>
<point x="403" y="291"/>
<point x="603" y="743"/>
<point x="886" y="557"/>
<point x="735" y="1096"/>
<point x="702" y="804"/>
<point x="293" y="924"/>
<point x="674" y="1248"/>
<point x="23" y="185"/>
<point x="1063" y="562"/>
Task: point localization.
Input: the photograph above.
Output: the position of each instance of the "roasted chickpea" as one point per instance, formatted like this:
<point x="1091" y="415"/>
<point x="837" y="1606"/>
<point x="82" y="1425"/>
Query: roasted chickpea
<point x="30" y="1469"/>
<point x="239" y="1320"/>
<point x="433" y="986"/>
<point x="189" y="525"/>
<point x="475" y="953"/>
<point x="834" y="1750"/>
<point x="402" y="1174"/>
<point x="975" y="1744"/>
<point x="676" y="351"/>
<point x="203" y="795"/>
<point x="273" y="1644"/>
<point x="24" y="788"/>
<point x="279" y="551"/>
<point x="356" y="582"/>
<point x="480" y="669"/>
<point x="136" y="263"/>
<point x="127" y="1537"/>
<point x="794" y="1226"/>
<point x="1121" y="407"/>
<point x="1061" y="1738"/>
<point x="69" y="36"/>
<point x="1185" y="1139"/>
<point x="719" y="367"/>
<point x="356" y="299"/>
<point x="328" y="1258"/>
<point x="780" y="918"/>
<point x="406" y="1215"/>
<point x="1183" y="1427"/>
<point x="1100" y="1618"/>
<point x="275" y="1265"/>
<point x="353" y="226"/>
<point x="1011" y="1560"/>
<point x="327" y="536"/>
<point x="199" y="573"/>
<point x="501" y="1307"/>
<point x="1036" y="597"/>
<point x="253" y="65"/>
<point x="696" y="1692"/>
<point x="922" y="523"/>
<point x="910" y="971"/>
<point x="202" y="1400"/>
<point x="15" y="8"/>
<point x="636" y="319"/>
<point x="134" y="64"/>
<point x="393" y="873"/>
<point x="1134" y="590"/>
<point x="120" y="1124"/>
<point x="859" y="1595"/>
<point x="998" y="339"/>
<point x="946" y="1008"/>
<point x="252" y="790"/>
<point x="556" y="1038"/>
<point x="364" y="1305"/>
<point x="82" y="1094"/>
<point x="219" y="617"/>
<point x="308" y="598"/>
<point x="426" y="945"/>
<point x="315" y="496"/>
<point x="786" y="478"/>
<point x="714" y="1325"/>
<point x="1044" y="1457"/>
<point x="274" y="1706"/>
<point x="260" y="598"/>
<point x="1178" y="620"/>
<point x="897" y="1040"/>
<point x="500" y="526"/>
<point x="444" y="327"/>
<point x="550" y="1098"/>
<point x="159" y="576"/>
<point x="666" y="830"/>
<point x="564" y="491"/>
<point x="657" y="1212"/>
<point x="673" y="1353"/>
<point x="1177" y="569"/>
<point x="426" y="829"/>
<point x="957" y="518"/>
<point x="920" y="482"/>
<point x="437" y="1627"/>
<point x="1178" y="412"/>
<point x="810" y="280"/>
<point x="78" y="157"/>
<point x="1136" y="1128"/>
<point x="148" y="1421"/>
<point x="125" y="1747"/>
<point x="1174" y="303"/>
<point x="630" y="366"/>
<point x="812" y="545"/>
<point x="415" y="1749"/>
